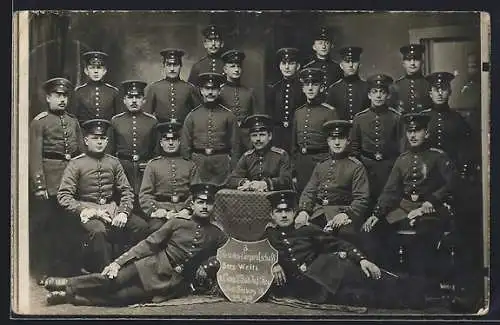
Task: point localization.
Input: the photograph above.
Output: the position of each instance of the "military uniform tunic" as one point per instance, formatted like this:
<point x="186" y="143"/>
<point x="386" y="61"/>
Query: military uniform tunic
<point x="208" y="63"/>
<point x="54" y="139"/>
<point x="165" y="185"/>
<point x="449" y="131"/>
<point x="410" y="94"/>
<point x="96" y="100"/>
<point x="349" y="96"/>
<point x="133" y="141"/>
<point x="210" y="137"/>
<point x="99" y="182"/>
<point x="377" y="137"/>
<point x="271" y="165"/>
<point x="332" y="69"/>
<point x="165" y="263"/>
<point x="309" y="144"/>
<point x="171" y="99"/>
<point x="282" y="99"/>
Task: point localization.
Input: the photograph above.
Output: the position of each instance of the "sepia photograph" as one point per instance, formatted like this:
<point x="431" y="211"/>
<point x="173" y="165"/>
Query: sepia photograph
<point x="241" y="164"/>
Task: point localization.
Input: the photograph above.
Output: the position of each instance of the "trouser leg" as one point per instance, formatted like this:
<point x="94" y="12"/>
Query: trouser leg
<point x="154" y="224"/>
<point x="99" y="251"/>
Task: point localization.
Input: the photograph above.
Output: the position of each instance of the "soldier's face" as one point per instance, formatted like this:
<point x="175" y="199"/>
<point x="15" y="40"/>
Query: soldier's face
<point x="95" y="72"/>
<point x="170" y="145"/>
<point x="337" y="144"/>
<point x="412" y="65"/>
<point x="57" y="101"/>
<point x="172" y="70"/>
<point x="417" y="137"/>
<point x="289" y="68"/>
<point x="312" y="89"/>
<point x="378" y="96"/>
<point x="283" y="217"/>
<point x="440" y="95"/>
<point x="133" y="102"/>
<point x="260" y="139"/>
<point x="322" y="47"/>
<point x="210" y="94"/>
<point x="233" y="70"/>
<point x="350" y="68"/>
<point x="96" y="143"/>
<point x="202" y="208"/>
<point x="213" y="45"/>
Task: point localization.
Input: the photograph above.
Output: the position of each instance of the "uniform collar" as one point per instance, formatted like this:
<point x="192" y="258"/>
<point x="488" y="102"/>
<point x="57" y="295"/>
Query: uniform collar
<point x="338" y="156"/>
<point x="420" y="148"/>
<point x="351" y="78"/>
<point x="379" y="109"/>
<point x="235" y="83"/>
<point x="212" y="105"/>
<point x="95" y="155"/>
<point x="264" y="150"/>
<point x="58" y="112"/>
<point x="417" y="75"/>
<point x="441" y="107"/>
<point x="139" y="112"/>
<point x="172" y="79"/>
<point x="95" y="83"/>
<point x="316" y="101"/>
<point x="201" y="221"/>
<point x="171" y="155"/>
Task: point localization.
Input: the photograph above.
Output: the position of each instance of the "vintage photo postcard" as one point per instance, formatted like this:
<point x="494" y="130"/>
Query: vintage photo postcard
<point x="241" y="164"/>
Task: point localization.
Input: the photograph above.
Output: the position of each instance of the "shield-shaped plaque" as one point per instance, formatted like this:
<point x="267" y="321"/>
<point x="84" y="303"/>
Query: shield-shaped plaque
<point x="245" y="273"/>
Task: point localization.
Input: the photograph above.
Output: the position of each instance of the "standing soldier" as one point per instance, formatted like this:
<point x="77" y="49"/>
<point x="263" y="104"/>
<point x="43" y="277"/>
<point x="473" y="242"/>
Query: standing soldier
<point x="322" y="45"/>
<point x="349" y="95"/>
<point x="265" y="167"/>
<point x="95" y="190"/>
<point x="239" y="99"/>
<point x="309" y="144"/>
<point x="337" y="195"/>
<point x="448" y="130"/>
<point x="283" y="97"/>
<point x="55" y="138"/>
<point x="133" y="133"/>
<point x="165" y="185"/>
<point x="409" y="93"/>
<point x="96" y="99"/>
<point x="213" y="44"/>
<point x="210" y="135"/>
<point x="416" y="196"/>
<point x="376" y="134"/>
<point x="172" y="98"/>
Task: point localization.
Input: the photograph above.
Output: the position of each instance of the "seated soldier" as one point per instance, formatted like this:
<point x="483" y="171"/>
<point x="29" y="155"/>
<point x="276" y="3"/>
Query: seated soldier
<point x="265" y="167"/>
<point x="337" y="194"/>
<point x="158" y="268"/>
<point x="94" y="189"/>
<point x="416" y="197"/>
<point x="165" y="185"/>
<point x="317" y="267"/>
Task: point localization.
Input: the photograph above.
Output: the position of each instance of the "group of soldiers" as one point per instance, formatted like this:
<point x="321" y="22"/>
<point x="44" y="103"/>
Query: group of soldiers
<point x="364" y="158"/>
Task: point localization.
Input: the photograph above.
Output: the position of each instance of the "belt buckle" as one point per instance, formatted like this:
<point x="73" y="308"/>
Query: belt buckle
<point x="378" y="156"/>
<point x="285" y="124"/>
<point x="303" y="267"/>
<point x="67" y="156"/>
<point x="178" y="269"/>
<point x="173" y="120"/>
<point x="303" y="150"/>
<point x="414" y="197"/>
<point x="102" y="201"/>
<point x="325" y="202"/>
<point x="342" y="255"/>
<point x="135" y="157"/>
<point x="209" y="151"/>
<point x="175" y="198"/>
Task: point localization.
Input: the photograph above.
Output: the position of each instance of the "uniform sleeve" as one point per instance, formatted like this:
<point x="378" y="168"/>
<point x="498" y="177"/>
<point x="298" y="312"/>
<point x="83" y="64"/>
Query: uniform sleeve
<point x="79" y="138"/>
<point x="360" y="194"/>
<point x="36" y="159"/>
<point x="149" y="246"/>
<point x="150" y="104"/>
<point x="392" y="192"/>
<point x="111" y="133"/>
<point x="235" y="141"/>
<point x="146" y="197"/>
<point x="239" y="173"/>
<point x="448" y="173"/>
<point x="333" y="114"/>
<point x="194" y="98"/>
<point x="268" y="101"/>
<point x="394" y="97"/>
<point x="68" y="189"/>
<point x="308" y="196"/>
<point x="329" y="243"/>
<point x="355" y="137"/>
<point x="193" y="74"/>
<point x="125" y="190"/>
<point x="401" y="135"/>
<point x="187" y="137"/>
<point x="211" y="264"/>
<point x="284" y="179"/>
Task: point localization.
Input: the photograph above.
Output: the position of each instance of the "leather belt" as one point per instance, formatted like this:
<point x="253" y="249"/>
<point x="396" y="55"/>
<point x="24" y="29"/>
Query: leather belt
<point x="171" y="198"/>
<point x="378" y="156"/>
<point x="325" y="202"/>
<point x="128" y="157"/>
<point x="211" y="151"/>
<point x="413" y="197"/>
<point x="57" y="156"/>
<point x="312" y="151"/>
